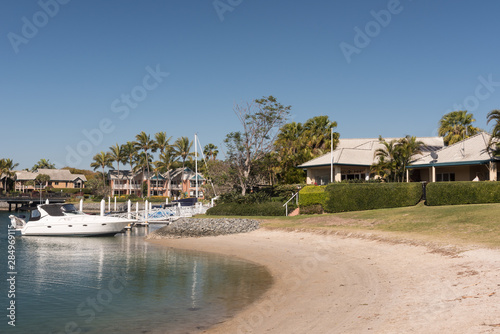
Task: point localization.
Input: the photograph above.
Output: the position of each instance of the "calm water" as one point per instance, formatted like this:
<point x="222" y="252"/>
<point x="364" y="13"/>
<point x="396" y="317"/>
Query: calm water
<point x="120" y="284"/>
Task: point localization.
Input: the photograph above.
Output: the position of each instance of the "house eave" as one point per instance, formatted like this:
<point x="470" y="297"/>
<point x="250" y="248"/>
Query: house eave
<point x="335" y="164"/>
<point x="448" y="164"/>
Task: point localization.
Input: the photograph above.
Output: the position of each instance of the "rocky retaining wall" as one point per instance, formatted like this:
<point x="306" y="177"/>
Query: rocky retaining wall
<point x="200" y="227"/>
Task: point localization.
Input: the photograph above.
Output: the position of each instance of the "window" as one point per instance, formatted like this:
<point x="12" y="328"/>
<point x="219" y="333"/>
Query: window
<point x="445" y="177"/>
<point x="352" y="177"/>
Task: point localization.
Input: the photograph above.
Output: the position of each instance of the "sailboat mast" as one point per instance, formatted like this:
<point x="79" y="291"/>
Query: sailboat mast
<point x="196" y="163"/>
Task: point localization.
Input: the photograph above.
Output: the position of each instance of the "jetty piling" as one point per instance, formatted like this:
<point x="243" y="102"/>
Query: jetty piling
<point x="103" y="204"/>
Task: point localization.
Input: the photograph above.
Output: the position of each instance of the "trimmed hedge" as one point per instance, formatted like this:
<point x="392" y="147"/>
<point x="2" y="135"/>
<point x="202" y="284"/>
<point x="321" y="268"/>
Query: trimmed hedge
<point x="466" y="192"/>
<point x="256" y="209"/>
<point x="342" y="197"/>
<point x="312" y="195"/>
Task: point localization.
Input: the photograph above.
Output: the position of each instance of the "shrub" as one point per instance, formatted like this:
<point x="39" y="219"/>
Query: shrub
<point x="157" y="198"/>
<point x="367" y="196"/>
<point x="467" y="192"/>
<point x="311" y="195"/>
<point x="256" y="209"/>
<point x="314" y="209"/>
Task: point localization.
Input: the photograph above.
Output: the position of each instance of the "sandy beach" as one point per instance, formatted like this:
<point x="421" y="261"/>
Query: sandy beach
<point x="340" y="284"/>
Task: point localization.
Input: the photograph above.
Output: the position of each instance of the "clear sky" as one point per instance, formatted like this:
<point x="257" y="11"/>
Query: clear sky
<point x="79" y="76"/>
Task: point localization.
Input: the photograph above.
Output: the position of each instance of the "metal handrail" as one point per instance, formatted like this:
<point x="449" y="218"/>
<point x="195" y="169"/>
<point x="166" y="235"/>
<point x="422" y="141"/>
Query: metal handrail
<point x="286" y="204"/>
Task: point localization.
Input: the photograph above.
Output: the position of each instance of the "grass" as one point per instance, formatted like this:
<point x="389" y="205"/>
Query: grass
<point x="477" y="224"/>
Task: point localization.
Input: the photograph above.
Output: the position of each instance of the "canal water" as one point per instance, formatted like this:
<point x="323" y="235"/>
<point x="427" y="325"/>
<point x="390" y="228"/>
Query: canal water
<point x="119" y="284"/>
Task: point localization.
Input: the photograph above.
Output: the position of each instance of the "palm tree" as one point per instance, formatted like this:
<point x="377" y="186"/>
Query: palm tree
<point x="43" y="163"/>
<point x="182" y="148"/>
<point x="144" y="143"/>
<point x="117" y="154"/>
<point x="142" y="161"/>
<point x="156" y="171"/>
<point x="407" y="148"/>
<point x="7" y="168"/>
<point x="103" y="160"/>
<point x="456" y="126"/>
<point x="494" y="115"/>
<point x="210" y="151"/>
<point x="130" y="152"/>
<point x="317" y="135"/>
<point x="161" y="141"/>
<point x="164" y="165"/>
<point x="387" y="156"/>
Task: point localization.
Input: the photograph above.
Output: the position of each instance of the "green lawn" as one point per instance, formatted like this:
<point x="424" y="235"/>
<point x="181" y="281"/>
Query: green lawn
<point x="477" y="224"/>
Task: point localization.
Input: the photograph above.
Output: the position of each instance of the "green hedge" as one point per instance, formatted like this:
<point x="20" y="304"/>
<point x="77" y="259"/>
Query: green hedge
<point x="312" y="195"/>
<point x="256" y="209"/>
<point x="451" y="193"/>
<point x="355" y="197"/>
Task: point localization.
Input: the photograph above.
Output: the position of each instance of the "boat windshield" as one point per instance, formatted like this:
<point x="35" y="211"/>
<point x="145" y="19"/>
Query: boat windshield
<point x="69" y="208"/>
<point x="35" y="215"/>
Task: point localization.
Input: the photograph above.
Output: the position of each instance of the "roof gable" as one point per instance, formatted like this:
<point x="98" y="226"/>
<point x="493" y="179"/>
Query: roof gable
<point x="361" y="152"/>
<point x="470" y="150"/>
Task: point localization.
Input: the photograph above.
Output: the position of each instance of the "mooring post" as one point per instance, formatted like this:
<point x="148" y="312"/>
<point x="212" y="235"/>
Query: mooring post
<point x="103" y="204"/>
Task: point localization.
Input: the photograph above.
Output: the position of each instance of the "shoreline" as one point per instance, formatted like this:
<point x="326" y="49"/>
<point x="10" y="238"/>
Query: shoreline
<point x="339" y="284"/>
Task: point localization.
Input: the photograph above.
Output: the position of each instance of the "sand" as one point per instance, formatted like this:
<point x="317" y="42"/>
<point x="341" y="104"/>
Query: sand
<point x="334" y="284"/>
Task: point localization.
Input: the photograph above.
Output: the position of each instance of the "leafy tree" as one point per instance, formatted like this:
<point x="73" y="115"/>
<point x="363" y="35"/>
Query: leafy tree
<point x="43" y="163"/>
<point x="260" y="121"/>
<point x="494" y="116"/>
<point x="210" y="151"/>
<point x="456" y="126"/>
<point x="7" y="169"/>
<point x="102" y="160"/>
<point x="221" y="178"/>
<point x="40" y="179"/>
<point x="98" y="187"/>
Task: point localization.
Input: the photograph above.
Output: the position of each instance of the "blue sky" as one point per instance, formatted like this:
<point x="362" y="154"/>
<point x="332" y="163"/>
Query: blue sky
<point x="413" y="61"/>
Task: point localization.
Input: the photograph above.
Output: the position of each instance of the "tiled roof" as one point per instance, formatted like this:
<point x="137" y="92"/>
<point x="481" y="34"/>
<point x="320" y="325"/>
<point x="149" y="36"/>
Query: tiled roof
<point x="55" y="175"/>
<point x="361" y="152"/>
<point x="472" y="149"/>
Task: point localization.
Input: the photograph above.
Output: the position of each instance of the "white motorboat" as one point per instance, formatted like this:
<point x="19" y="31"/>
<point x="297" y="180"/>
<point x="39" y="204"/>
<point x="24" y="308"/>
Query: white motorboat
<point x="65" y="220"/>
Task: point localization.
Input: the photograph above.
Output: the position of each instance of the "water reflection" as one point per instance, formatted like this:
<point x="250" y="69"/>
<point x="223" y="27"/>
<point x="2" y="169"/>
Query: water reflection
<point x="123" y="284"/>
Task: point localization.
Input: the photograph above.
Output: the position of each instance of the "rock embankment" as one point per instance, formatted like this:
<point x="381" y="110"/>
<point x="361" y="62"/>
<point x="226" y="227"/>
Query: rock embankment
<point x="201" y="227"/>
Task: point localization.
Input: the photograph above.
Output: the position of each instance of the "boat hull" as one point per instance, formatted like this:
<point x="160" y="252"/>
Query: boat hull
<point x="76" y="227"/>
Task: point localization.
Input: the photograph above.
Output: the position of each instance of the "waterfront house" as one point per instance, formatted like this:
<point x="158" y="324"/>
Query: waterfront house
<point x="126" y="182"/>
<point x="352" y="159"/>
<point x="59" y="179"/>
<point x="182" y="183"/>
<point x="467" y="160"/>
